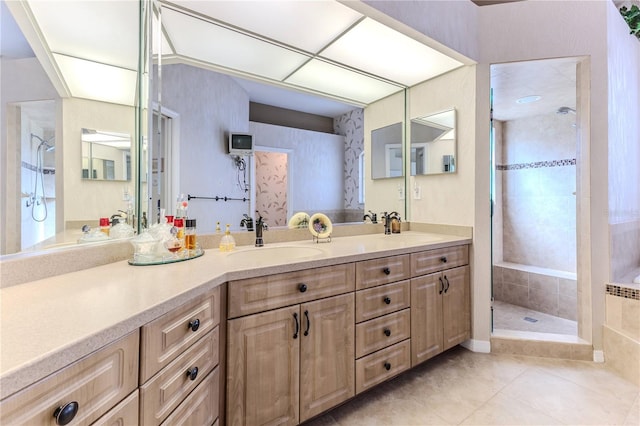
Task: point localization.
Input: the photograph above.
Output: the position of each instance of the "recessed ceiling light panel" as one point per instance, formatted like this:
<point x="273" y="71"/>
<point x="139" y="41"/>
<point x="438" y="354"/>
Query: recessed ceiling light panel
<point x="337" y="81"/>
<point x="387" y="53"/>
<point x="306" y="25"/>
<point x="205" y="41"/>
<point x="528" y="99"/>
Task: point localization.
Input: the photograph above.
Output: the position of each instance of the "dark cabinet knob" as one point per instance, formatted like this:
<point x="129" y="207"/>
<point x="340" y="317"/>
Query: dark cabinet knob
<point x="386" y="271"/>
<point x="302" y="288"/>
<point x="387" y="366"/>
<point x="66" y="413"/>
<point x="192" y="373"/>
<point x="443" y="259"/>
<point x="194" y="325"/>
<point x="386" y="300"/>
<point x="387" y="332"/>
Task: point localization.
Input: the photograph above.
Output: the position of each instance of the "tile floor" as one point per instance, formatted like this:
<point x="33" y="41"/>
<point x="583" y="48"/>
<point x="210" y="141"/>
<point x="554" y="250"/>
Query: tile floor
<point x="512" y="317"/>
<point x="460" y="387"/>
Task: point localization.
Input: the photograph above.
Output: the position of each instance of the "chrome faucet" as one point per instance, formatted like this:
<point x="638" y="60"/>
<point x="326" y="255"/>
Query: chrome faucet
<point x="371" y="216"/>
<point x="260" y="226"/>
<point x="247" y="222"/>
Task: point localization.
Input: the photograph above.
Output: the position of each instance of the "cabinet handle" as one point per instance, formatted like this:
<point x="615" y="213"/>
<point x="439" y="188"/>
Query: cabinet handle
<point x="387" y="332"/>
<point x="302" y="287"/>
<point x="194" y="324"/>
<point x="441" y="285"/>
<point x="295" y="317"/>
<point x="192" y="373"/>
<point x="447" y="281"/>
<point x="443" y="259"/>
<point x="386" y="300"/>
<point x="387" y="366"/>
<point x="65" y="413"/>
<point x="386" y="271"/>
<point x="306" y="315"/>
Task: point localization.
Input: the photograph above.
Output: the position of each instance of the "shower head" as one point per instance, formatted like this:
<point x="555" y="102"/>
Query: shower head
<point x="46" y="144"/>
<point x="565" y="110"/>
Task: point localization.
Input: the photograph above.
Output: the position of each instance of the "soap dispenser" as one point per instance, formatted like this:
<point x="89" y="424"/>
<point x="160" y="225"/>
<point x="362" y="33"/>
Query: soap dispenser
<point x="227" y="242"/>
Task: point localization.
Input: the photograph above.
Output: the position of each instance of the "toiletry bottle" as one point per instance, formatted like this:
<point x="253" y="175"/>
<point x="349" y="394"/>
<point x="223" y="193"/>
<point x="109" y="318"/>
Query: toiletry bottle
<point x="104" y="225"/>
<point x="190" y="235"/>
<point x="227" y="242"/>
<point x="178" y="223"/>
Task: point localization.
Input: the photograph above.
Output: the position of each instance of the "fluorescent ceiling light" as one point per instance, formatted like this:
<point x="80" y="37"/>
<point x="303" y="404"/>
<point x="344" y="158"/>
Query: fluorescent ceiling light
<point x="382" y="51"/>
<point x="528" y="99"/>
<point x="211" y="43"/>
<point x="307" y="25"/>
<point x="99" y="31"/>
<point x="91" y="80"/>
<point x="341" y="82"/>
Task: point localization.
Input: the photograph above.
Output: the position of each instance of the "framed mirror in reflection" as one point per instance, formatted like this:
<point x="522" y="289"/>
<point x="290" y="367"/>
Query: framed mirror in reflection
<point x="386" y="155"/>
<point x="106" y="155"/>
<point x="433" y="143"/>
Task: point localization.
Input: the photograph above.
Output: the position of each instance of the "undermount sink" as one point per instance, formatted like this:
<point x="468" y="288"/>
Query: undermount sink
<point x="276" y="253"/>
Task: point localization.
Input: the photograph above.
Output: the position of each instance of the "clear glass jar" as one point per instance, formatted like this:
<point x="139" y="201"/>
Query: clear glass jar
<point x="190" y="235"/>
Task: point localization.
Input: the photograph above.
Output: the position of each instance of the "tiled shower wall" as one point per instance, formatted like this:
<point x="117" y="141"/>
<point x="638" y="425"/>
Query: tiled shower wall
<point x="538" y="176"/>
<point x="536" y="290"/>
<point x="350" y="125"/>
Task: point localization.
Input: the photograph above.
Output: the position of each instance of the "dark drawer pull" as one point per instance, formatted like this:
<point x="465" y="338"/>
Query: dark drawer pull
<point x="441" y="285"/>
<point x="295" y="317"/>
<point x="306" y="314"/>
<point x="64" y="414"/>
<point x="302" y="288"/>
<point x="192" y="373"/>
<point x="386" y="271"/>
<point x="386" y="300"/>
<point x="194" y="324"/>
<point x="387" y="366"/>
<point x="387" y="332"/>
<point x="443" y="259"/>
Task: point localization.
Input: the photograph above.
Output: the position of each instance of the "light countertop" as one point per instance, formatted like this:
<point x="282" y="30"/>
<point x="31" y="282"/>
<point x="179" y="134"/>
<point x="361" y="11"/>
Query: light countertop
<point x="50" y="323"/>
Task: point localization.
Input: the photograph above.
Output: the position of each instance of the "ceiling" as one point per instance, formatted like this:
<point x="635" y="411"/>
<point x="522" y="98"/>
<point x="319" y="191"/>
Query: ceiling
<point x="553" y="80"/>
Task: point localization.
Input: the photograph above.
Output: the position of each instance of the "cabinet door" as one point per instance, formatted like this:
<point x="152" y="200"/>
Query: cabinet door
<point x="426" y="317"/>
<point x="263" y="368"/>
<point x="456" y="300"/>
<point x="327" y="350"/>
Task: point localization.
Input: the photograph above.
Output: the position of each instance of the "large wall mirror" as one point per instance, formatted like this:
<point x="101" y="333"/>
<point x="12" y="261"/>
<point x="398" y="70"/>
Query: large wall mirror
<point x="106" y="155"/>
<point x="71" y="118"/>
<point x="433" y="143"/>
<point x="386" y="152"/>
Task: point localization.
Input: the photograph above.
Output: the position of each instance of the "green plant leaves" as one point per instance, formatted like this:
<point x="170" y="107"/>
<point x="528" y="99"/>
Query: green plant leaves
<point x="632" y="18"/>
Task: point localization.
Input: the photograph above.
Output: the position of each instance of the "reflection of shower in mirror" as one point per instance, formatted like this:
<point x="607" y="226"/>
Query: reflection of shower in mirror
<point x="35" y="198"/>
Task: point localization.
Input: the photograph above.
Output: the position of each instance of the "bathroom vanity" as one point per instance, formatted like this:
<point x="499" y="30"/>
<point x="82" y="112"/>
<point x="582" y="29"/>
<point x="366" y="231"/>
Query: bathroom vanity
<point x="214" y="341"/>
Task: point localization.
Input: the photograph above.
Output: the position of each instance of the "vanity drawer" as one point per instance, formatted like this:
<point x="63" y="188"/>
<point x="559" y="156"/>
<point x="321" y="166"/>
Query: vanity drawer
<point x="375" y="272"/>
<point x="125" y="413"/>
<point x="165" y="391"/>
<point x="275" y="291"/>
<point x="200" y="408"/>
<point x="382" y="365"/>
<point x="378" y="301"/>
<point x="166" y="337"/>
<point x="382" y="332"/>
<point x="426" y="262"/>
<point x="96" y="383"/>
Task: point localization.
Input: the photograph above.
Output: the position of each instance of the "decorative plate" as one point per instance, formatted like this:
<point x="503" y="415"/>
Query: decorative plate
<point x="299" y="220"/>
<point x="320" y="226"/>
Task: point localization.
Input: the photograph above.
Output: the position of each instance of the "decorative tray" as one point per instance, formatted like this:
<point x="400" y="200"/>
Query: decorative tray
<point x="146" y="260"/>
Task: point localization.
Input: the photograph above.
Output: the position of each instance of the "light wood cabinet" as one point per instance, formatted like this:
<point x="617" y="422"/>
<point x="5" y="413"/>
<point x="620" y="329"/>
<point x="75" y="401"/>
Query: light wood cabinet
<point x="125" y="413"/>
<point x="180" y="362"/>
<point x="375" y="302"/>
<point x="382" y="332"/>
<point x="440" y="312"/>
<point x="375" y="272"/>
<point x="89" y="388"/>
<point x="382" y="365"/>
<point x="168" y="336"/>
<point x="290" y="363"/>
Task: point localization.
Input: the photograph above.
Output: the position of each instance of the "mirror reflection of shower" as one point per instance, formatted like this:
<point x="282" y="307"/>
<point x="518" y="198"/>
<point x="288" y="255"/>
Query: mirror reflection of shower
<point x="38" y="197"/>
